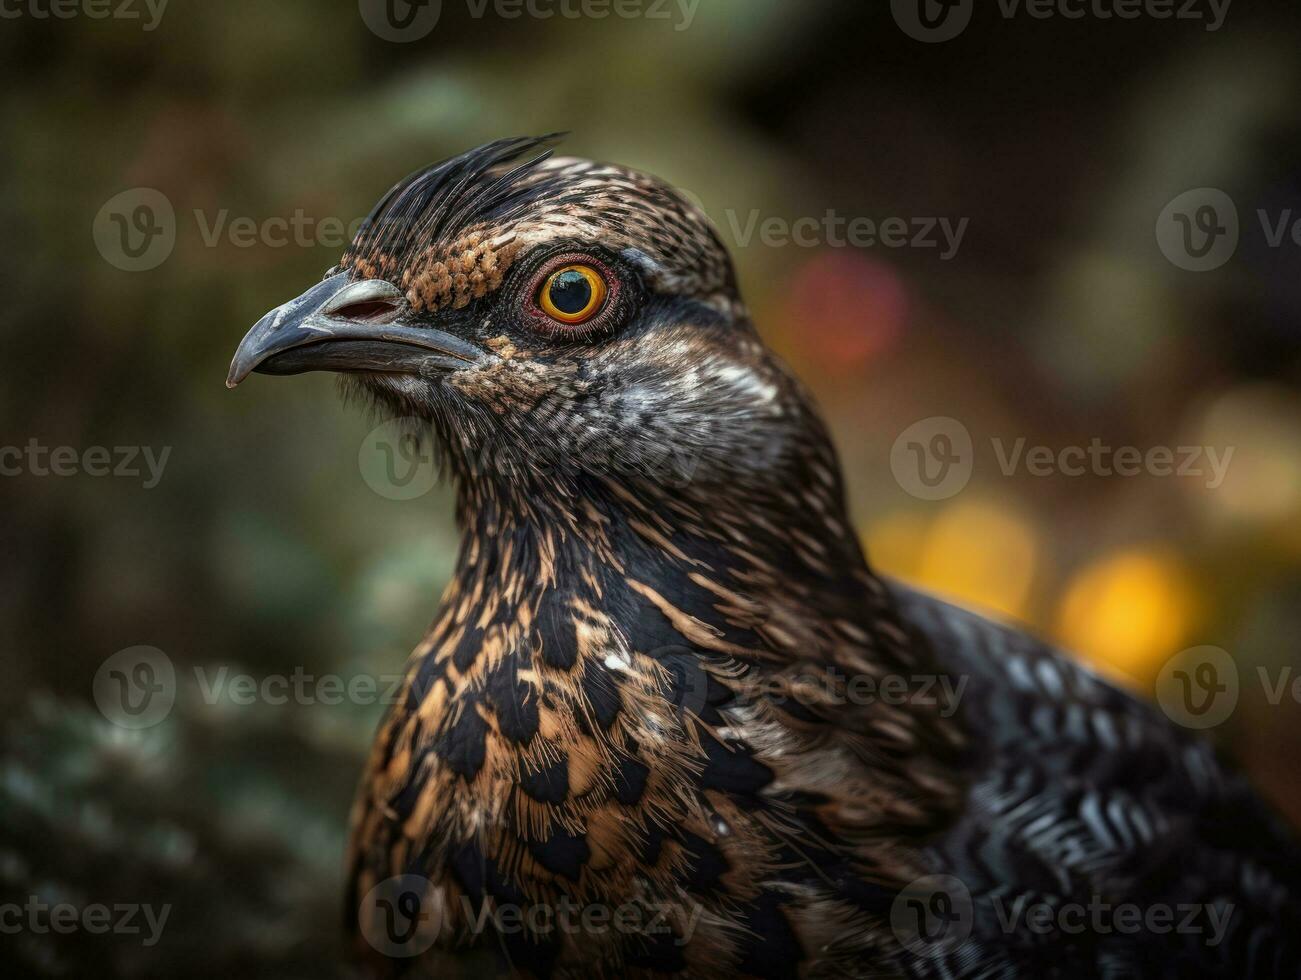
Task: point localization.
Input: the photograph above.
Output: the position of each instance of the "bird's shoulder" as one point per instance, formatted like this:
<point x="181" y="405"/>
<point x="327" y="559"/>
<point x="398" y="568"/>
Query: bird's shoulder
<point x="1085" y="796"/>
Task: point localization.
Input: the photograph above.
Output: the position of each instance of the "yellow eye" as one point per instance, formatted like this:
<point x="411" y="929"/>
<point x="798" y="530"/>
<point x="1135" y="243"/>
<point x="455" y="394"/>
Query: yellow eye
<point x="573" y="294"/>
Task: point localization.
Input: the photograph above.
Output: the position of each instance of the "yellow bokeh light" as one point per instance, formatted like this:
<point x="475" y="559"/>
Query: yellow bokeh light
<point x="981" y="553"/>
<point x="894" y="543"/>
<point x="1128" y="612"/>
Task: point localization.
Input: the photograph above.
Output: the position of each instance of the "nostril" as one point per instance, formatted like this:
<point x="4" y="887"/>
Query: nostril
<point x="366" y="311"/>
<point x="365" y="302"/>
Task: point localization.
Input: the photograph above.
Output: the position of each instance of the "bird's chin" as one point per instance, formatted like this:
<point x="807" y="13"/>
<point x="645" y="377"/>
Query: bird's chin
<point x="393" y="391"/>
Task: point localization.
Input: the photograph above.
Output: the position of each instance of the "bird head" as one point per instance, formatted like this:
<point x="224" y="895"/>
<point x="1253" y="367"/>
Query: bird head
<point x="546" y="317"/>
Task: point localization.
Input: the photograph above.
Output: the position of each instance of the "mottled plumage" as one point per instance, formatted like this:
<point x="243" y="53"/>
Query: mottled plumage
<point x="663" y="679"/>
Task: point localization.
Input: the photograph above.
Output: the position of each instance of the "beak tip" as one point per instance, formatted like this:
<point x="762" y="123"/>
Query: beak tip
<point x="237" y="373"/>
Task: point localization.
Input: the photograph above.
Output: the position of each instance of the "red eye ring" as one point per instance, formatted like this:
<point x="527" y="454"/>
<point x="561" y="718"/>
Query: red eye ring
<point x="606" y="293"/>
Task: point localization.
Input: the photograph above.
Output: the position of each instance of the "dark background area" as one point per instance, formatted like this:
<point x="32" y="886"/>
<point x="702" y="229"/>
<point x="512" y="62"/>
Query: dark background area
<point x="265" y="547"/>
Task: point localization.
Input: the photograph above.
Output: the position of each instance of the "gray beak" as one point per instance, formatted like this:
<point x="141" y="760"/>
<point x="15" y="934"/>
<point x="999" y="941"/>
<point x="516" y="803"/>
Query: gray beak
<point x="340" y="325"/>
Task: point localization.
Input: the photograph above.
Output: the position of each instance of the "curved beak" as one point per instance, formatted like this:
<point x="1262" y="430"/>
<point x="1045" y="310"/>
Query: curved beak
<point x="340" y="325"/>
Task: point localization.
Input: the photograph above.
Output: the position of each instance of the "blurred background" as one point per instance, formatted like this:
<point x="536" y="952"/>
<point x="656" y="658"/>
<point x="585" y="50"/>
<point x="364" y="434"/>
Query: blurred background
<point x="265" y="541"/>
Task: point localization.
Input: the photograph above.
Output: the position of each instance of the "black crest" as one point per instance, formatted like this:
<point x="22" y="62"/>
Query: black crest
<point x="435" y="203"/>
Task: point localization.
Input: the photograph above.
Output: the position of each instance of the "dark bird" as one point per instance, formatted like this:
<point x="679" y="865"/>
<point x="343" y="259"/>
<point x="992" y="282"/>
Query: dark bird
<point x="667" y="720"/>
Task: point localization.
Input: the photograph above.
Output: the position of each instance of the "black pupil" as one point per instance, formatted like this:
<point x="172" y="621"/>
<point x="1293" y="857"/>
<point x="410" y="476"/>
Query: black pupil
<point x="571" y="292"/>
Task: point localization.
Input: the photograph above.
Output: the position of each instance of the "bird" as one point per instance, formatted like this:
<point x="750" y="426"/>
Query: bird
<point x="668" y="720"/>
